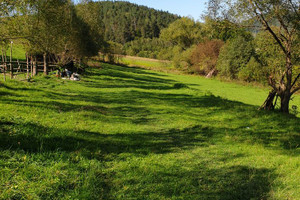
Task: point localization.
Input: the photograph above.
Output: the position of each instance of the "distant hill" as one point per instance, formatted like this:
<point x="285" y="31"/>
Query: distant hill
<point x="124" y="21"/>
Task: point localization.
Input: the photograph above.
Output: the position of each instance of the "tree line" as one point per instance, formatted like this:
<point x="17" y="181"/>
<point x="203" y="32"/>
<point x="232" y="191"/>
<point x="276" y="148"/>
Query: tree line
<point x="50" y="27"/>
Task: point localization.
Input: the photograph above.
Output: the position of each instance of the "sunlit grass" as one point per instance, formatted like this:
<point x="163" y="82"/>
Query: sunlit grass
<point x="18" y="51"/>
<point x="131" y="133"/>
<point x="146" y="63"/>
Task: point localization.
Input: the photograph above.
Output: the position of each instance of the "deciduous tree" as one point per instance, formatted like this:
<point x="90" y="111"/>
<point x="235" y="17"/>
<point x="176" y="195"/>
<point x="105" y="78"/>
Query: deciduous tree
<point x="284" y="14"/>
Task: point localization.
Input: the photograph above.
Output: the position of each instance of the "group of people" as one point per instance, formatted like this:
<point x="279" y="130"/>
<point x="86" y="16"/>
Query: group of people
<point x="66" y="74"/>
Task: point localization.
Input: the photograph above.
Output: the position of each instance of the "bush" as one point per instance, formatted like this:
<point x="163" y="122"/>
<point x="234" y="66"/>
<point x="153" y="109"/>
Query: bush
<point x="253" y="71"/>
<point x="182" y="58"/>
<point x="205" y="55"/>
<point x="234" y="55"/>
<point x="145" y="47"/>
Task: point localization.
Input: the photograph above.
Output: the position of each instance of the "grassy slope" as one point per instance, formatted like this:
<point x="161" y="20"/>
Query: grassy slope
<point x="18" y="52"/>
<point x="129" y="133"/>
<point x="145" y="62"/>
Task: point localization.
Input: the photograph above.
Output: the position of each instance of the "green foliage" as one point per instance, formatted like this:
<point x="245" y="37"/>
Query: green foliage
<point x="253" y="71"/>
<point x="270" y="54"/>
<point x="51" y="27"/>
<point x="183" y="32"/>
<point x="222" y="29"/>
<point x="234" y="55"/>
<point x="182" y="58"/>
<point x="146" y="47"/>
<point x="130" y="133"/>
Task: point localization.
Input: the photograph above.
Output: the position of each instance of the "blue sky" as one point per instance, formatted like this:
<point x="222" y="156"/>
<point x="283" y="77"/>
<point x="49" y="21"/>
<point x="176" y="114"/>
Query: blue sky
<point x="194" y="8"/>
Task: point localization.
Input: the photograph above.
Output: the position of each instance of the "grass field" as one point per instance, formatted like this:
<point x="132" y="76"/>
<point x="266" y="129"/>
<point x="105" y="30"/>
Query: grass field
<point x="18" y="52"/>
<point x="146" y="63"/>
<point x="131" y="133"/>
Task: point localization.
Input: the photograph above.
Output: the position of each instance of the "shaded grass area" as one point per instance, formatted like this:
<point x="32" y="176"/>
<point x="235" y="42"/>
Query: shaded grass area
<point x="129" y="133"/>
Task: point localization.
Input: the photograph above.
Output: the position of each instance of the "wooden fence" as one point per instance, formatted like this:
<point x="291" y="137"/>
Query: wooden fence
<point x="30" y="68"/>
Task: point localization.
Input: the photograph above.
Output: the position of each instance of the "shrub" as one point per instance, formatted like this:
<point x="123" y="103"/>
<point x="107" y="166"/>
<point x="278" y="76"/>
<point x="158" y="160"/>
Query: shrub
<point x="253" y="71"/>
<point x="234" y="55"/>
<point x="182" y="58"/>
<point x="205" y="55"/>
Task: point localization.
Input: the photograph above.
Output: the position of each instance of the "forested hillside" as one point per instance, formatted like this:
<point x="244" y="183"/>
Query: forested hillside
<point x="123" y="21"/>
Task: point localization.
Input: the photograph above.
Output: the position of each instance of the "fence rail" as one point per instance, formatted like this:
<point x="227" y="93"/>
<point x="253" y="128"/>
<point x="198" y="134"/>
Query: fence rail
<point x="31" y="68"/>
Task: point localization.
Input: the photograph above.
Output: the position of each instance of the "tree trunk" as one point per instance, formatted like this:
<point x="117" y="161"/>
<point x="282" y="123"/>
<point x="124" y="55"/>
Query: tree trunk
<point x="27" y="66"/>
<point x="3" y="65"/>
<point x="285" y="96"/>
<point x="34" y="67"/>
<point x="2" y="56"/>
<point x="45" y="64"/>
<point x="268" y="104"/>
<point x="211" y="73"/>
<point x="285" y="101"/>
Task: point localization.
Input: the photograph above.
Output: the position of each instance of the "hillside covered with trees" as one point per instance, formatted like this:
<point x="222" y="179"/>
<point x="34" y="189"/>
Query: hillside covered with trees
<point x="123" y="21"/>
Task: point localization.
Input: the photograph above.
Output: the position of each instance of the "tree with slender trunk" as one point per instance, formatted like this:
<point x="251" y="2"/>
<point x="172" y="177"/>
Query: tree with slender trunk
<point x="273" y="15"/>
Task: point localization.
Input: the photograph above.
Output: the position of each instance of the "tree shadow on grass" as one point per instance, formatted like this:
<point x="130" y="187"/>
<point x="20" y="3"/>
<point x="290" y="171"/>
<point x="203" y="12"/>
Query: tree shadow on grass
<point x="31" y="137"/>
<point x="124" y="68"/>
<point x="271" y="127"/>
<point x="249" y="125"/>
<point x="204" y="182"/>
<point x="199" y="181"/>
<point x="126" y="77"/>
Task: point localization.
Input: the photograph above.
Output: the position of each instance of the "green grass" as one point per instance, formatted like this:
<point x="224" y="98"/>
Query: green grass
<point x="131" y="133"/>
<point x="18" y="52"/>
<point x="146" y="63"/>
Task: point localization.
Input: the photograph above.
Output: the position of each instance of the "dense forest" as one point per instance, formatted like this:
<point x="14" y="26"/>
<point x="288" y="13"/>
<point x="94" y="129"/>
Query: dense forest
<point x="123" y="21"/>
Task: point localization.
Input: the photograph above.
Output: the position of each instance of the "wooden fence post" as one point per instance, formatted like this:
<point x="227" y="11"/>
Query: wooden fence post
<point x="4" y="69"/>
<point x="10" y="59"/>
<point x="45" y="64"/>
<point x="34" y="66"/>
<point x="31" y="66"/>
<point x="27" y="65"/>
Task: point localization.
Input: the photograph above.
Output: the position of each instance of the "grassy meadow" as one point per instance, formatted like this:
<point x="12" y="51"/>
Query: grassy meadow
<point x="146" y="63"/>
<point x="18" y="51"/>
<point x="131" y="133"/>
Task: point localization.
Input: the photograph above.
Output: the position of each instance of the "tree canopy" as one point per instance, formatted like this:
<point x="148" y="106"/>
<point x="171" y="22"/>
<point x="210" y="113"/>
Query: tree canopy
<point x="284" y="14"/>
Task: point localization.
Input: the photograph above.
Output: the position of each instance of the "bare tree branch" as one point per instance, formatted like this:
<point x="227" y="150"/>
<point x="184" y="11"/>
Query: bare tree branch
<point x="296" y="80"/>
<point x="294" y="8"/>
<point x="295" y="90"/>
<point x="266" y="24"/>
